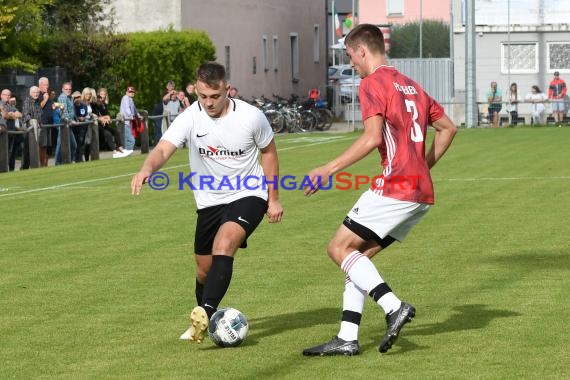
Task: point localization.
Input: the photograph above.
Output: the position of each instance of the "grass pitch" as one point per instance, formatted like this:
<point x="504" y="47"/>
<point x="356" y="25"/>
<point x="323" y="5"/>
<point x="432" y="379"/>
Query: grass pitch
<point x="95" y="283"/>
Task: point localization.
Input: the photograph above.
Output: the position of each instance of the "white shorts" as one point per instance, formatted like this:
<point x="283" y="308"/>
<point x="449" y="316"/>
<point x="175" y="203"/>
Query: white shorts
<point x="385" y="216"/>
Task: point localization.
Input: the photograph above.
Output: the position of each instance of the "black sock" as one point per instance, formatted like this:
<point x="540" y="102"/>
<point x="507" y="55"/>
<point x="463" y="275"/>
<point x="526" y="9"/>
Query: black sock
<point x="199" y="292"/>
<point x="217" y="282"/>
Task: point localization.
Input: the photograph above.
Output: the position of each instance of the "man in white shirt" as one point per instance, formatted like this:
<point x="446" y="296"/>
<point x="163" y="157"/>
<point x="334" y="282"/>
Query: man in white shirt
<point x="225" y="137"/>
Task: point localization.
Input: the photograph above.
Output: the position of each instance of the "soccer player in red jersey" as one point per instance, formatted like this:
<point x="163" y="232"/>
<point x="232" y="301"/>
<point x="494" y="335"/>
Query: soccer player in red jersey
<point x="396" y="113"/>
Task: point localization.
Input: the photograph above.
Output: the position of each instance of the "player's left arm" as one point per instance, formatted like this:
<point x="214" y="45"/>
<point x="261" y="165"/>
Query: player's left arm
<point x="270" y="166"/>
<point x="445" y="131"/>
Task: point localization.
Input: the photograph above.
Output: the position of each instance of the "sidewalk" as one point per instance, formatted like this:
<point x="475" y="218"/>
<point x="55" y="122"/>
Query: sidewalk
<point x="346" y="126"/>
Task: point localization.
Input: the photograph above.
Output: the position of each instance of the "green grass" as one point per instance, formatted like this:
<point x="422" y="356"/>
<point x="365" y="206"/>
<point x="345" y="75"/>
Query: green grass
<point x="95" y="283"/>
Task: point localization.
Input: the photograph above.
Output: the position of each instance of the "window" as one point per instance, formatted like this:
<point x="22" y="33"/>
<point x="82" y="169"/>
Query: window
<point x="523" y="58"/>
<point x="265" y="55"/>
<point x="558" y="56"/>
<point x="275" y="54"/>
<point x="254" y="66"/>
<point x="316" y="43"/>
<point x="395" y="7"/>
<point x="227" y="49"/>
<point x="294" y="57"/>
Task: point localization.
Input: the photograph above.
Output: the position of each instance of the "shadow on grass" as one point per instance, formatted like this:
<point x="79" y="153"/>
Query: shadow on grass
<point x="532" y="260"/>
<point x="466" y="317"/>
<point x="277" y="324"/>
<point x="281" y="323"/>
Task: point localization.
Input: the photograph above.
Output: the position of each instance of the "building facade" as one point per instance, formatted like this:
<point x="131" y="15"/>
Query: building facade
<point x="521" y="41"/>
<point x="390" y="12"/>
<point x="268" y="47"/>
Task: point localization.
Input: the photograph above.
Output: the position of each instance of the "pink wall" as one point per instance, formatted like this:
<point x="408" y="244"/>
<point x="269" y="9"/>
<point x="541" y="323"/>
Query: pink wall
<point x="374" y="11"/>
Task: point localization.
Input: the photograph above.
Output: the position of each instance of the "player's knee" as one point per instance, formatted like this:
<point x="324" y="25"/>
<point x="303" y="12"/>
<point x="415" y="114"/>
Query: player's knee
<point x="226" y="246"/>
<point x="335" y="252"/>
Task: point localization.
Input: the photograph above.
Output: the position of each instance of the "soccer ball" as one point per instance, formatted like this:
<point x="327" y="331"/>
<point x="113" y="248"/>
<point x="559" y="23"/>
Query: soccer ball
<point x="228" y="327"/>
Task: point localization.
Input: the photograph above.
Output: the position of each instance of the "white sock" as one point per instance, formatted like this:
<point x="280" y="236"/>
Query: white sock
<point x="389" y="302"/>
<point x="352" y="300"/>
<point x="361" y="271"/>
<point x="364" y="274"/>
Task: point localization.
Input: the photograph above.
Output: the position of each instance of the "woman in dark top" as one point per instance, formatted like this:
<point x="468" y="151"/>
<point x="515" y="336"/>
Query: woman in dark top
<point x="110" y="134"/>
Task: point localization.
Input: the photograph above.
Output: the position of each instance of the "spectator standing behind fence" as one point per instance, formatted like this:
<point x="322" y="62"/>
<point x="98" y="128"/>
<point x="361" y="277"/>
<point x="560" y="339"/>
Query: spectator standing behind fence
<point x="537" y="98"/>
<point x="89" y="98"/>
<point x="157" y="111"/>
<point x="191" y="93"/>
<point x="79" y="129"/>
<point x="47" y="104"/>
<point x="12" y="119"/>
<point x="109" y="134"/>
<point x="495" y="99"/>
<point x="129" y="111"/>
<point x="513" y="104"/>
<point x="184" y="102"/>
<point x="66" y="114"/>
<point x="54" y="130"/>
<point x="170" y="91"/>
<point x="31" y="110"/>
<point x="3" y="125"/>
<point x="3" y="116"/>
<point x="557" y="95"/>
<point x="173" y="104"/>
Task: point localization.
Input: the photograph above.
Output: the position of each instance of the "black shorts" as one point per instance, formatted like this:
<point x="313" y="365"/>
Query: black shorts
<point x="493" y="107"/>
<point x="367" y="234"/>
<point x="248" y="212"/>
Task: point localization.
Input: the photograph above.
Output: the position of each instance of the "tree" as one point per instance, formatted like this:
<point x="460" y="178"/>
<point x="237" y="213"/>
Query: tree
<point x="405" y="40"/>
<point x="85" y="57"/>
<point x="86" y="16"/>
<point x="152" y="58"/>
<point x="26" y="23"/>
<point x="20" y="32"/>
<point x="7" y="15"/>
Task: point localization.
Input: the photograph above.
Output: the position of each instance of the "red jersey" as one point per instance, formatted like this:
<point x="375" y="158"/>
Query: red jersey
<point x="407" y="111"/>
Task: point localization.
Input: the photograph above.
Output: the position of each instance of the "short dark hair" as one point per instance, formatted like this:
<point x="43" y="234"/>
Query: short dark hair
<point x="211" y="73"/>
<point x="366" y="34"/>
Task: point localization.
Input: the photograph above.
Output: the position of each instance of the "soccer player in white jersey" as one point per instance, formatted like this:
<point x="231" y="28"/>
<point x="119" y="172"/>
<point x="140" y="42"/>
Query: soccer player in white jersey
<point x="396" y="112"/>
<point x="232" y="189"/>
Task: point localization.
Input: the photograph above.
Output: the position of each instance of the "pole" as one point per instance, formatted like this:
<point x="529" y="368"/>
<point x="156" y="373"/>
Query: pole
<point x="421" y="28"/>
<point x="353" y="84"/>
<point x="509" y="44"/>
<point x="471" y="109"/>
<point x="327" y="41"/>
<point x="333" y="39"/>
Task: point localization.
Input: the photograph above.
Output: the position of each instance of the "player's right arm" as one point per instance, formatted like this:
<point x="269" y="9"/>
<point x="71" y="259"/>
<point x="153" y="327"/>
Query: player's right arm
<point x="366" y="143"/>
<point x="155" y="160"/>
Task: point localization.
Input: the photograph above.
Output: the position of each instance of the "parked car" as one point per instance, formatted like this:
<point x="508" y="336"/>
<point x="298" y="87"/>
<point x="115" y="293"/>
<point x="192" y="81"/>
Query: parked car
<point x="341" y="78"/>
<point x="339" y="72"/>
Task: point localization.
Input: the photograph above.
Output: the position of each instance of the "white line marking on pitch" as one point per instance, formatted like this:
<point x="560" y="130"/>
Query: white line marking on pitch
<point x="502" y="179"/>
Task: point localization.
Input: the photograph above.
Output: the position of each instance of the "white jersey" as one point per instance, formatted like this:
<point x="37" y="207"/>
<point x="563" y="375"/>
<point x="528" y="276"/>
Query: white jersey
<point x="223" y="152"/>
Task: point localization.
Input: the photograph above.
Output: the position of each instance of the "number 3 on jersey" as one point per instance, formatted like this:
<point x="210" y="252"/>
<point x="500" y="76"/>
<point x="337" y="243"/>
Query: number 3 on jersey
<point x="416" y="135"/>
